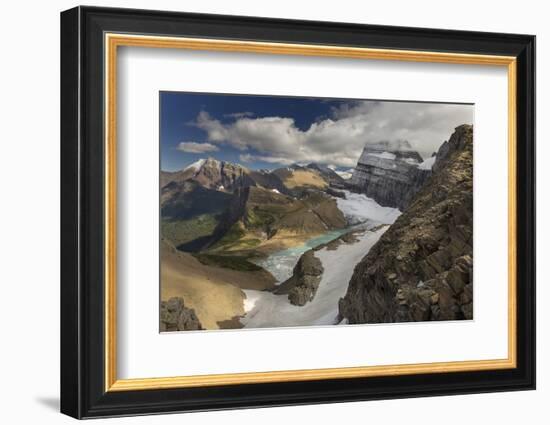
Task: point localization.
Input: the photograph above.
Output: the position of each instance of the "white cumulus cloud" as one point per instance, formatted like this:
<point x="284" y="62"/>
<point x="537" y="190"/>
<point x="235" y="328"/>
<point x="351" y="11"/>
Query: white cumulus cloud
<point x="340" y="138"/>
<point x="194" y="147"/>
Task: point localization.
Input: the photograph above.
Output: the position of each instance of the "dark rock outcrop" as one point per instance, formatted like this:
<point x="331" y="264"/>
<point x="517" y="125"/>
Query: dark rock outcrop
<point x="336" y="193"/>
<point x="421" y="268"/>
<point x="390" y="177"/>
<point x="175" y="316"/>
<point x="302" y="286"/>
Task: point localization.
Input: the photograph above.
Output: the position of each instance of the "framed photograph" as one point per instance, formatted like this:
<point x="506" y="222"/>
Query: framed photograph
<point x="261" y="212"/>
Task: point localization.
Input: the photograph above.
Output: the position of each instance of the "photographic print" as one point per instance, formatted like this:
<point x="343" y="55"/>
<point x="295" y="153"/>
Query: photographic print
<point x="300" y="211"/>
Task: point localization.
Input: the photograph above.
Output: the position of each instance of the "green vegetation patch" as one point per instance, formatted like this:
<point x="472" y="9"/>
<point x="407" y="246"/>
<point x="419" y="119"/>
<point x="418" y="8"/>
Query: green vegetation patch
<point x="193" y="201"/>
<point x="234" y="234"/>
<point x="182" y="231"/>
<point x="236" y="238"/>
<point x="256" y="217"/>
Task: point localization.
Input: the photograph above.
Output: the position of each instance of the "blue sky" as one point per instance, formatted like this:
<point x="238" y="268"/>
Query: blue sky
<point x="179" y="112"/>
<point x="275" y="131"/>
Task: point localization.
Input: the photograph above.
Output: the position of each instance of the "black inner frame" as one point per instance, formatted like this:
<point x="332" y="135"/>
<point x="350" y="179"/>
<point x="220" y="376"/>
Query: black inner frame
<point x="82" y="207"/>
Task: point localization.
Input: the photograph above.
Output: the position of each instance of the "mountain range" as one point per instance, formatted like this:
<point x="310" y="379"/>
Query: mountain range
<point x="220" y="206"/>
<point x="216" y="205"/>
<point x="226" y="176"/>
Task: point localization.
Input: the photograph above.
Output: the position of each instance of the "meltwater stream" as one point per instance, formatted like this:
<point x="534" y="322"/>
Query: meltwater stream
<point x="281" y="263"/>
<point x="265" y="309"/>
<point x="360" y="211"/>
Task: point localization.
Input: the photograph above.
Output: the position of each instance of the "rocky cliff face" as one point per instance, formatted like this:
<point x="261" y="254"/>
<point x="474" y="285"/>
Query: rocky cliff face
<point x="222" y="175"/>
<point x="421" y="268"/>
<point x="390" y="177"/>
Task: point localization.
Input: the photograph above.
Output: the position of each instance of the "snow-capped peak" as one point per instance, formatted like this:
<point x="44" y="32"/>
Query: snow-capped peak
<point x="195" y="166"/>
<point x="214" y="161"/>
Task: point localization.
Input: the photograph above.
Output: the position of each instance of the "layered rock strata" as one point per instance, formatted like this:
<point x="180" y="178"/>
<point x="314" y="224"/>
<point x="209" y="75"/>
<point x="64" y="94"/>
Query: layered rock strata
<point x="390" y="177"/>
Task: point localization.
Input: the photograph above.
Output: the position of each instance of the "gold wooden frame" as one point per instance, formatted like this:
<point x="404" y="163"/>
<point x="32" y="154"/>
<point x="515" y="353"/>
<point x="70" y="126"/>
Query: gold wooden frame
<point x="113" y="41"/>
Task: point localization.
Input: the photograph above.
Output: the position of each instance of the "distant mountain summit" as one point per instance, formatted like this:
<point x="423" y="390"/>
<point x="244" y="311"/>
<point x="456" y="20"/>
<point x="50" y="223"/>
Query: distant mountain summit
<point x="328" y="173"/>
<point x="390" y="173"/>
<point x="391" y="145"/>
<point x="401" y="150"/>
<point x="212" y="174"/>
